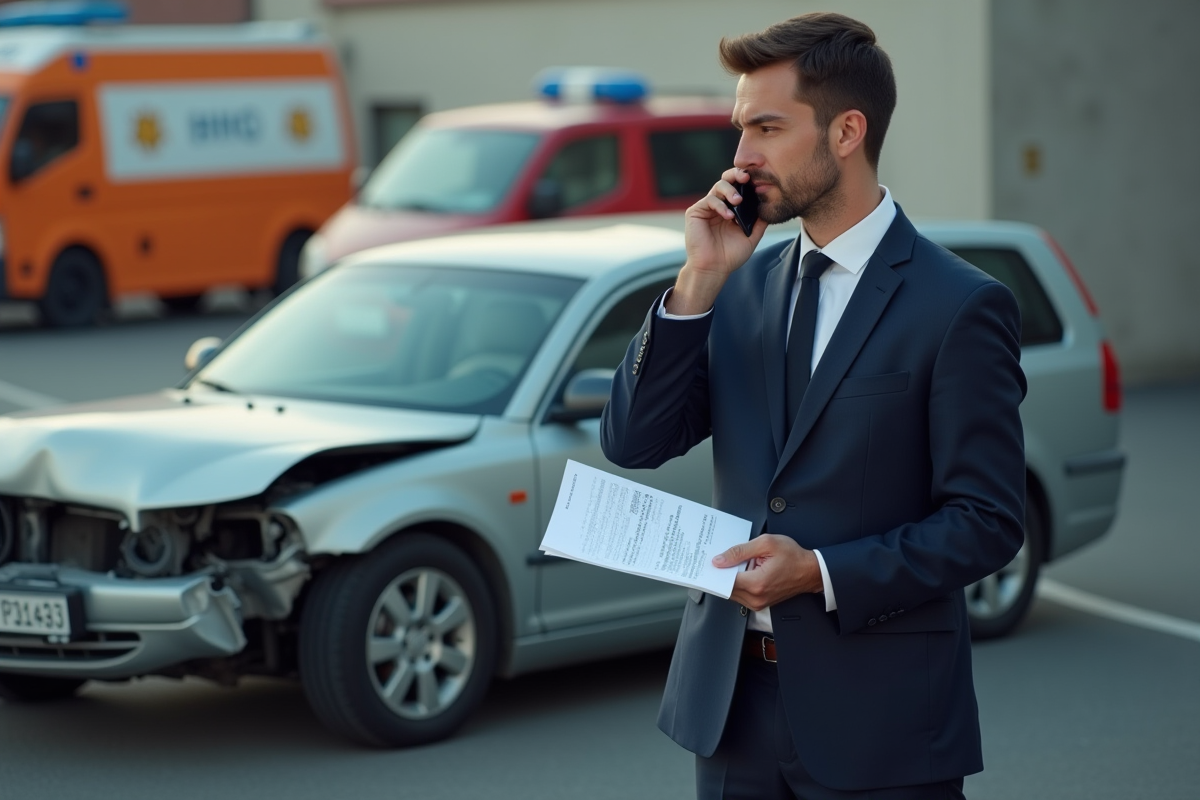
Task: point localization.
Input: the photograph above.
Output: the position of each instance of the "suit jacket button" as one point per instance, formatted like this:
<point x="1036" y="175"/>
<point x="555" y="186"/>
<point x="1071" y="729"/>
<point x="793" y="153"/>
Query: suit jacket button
<point x="871" y="621"/>
<point x="635" y="369"/>
<point x="778" y="504"/>
<point x="883" y="617"/>
<point x="891" y="615"/>
<point x="744" y="611"/>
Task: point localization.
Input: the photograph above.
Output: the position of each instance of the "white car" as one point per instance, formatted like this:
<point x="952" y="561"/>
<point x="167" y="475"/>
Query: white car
<point x="353" y="487"/>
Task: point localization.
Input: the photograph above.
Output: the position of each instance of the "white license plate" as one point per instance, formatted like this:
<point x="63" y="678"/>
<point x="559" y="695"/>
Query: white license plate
<point x="34" y="612"/>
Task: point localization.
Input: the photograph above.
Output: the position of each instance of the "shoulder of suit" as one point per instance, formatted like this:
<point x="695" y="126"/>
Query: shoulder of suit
<point x="944" y="265"/>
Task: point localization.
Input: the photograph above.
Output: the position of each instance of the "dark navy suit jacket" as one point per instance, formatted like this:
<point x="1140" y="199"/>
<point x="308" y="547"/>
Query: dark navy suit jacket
<point x="904" y="466"/>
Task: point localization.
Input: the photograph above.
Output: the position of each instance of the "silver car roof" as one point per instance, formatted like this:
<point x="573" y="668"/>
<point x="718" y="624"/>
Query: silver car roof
<point x="589" y="247"/>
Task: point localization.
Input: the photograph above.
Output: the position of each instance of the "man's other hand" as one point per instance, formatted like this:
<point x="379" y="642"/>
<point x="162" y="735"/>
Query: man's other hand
<point x="715" y="245"/>
<point x="779" y="568"/>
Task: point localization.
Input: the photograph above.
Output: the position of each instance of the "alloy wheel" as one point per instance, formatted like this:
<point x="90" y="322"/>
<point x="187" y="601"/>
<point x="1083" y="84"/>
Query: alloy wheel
<point x="421" y="643"/>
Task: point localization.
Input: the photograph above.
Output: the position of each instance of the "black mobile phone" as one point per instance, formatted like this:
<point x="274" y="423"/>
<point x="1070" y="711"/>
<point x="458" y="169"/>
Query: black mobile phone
<point x="745" y="212"/>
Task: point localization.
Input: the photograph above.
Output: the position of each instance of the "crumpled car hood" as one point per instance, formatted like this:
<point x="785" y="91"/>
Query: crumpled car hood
<point x="158" y="451"/>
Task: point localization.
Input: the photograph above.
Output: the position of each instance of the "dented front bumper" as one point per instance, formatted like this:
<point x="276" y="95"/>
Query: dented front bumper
<point x="130" y="627"/>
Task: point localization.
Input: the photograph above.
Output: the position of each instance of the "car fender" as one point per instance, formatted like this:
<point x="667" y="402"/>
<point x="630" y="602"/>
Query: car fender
<point x="1047" y="471"/>
<point x="485" y="486"/>
<point x="360" y="527"/>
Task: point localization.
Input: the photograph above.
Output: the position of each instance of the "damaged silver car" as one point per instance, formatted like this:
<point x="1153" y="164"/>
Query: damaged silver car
<point x="352" y="488"/>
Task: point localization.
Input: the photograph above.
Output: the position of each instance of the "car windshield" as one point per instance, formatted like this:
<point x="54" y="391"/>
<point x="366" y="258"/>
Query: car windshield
<point x="431" y="338"/>
<point x="449" y="171"/>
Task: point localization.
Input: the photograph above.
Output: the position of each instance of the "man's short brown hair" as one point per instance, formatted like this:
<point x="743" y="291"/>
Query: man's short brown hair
<point x="839" y="64"/>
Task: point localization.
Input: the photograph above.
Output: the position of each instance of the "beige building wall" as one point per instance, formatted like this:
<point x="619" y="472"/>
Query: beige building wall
<point x="459" y="52"/>
<point x="1096" y="113"/>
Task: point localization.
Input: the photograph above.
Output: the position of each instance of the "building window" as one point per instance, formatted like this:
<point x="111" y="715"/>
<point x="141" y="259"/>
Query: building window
<point x="389" y="123"/>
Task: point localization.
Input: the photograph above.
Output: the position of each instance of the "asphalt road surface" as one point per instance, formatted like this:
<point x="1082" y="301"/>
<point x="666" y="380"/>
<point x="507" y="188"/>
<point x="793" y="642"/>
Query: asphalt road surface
<point x="1097" y="696"/>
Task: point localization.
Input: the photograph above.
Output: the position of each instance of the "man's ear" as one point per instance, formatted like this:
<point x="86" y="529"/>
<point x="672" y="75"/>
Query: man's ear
<point x="847" y="133"/>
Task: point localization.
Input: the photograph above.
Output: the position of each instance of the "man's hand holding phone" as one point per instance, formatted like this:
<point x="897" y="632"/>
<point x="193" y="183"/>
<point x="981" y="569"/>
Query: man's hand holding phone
<point x="717" y="243"/>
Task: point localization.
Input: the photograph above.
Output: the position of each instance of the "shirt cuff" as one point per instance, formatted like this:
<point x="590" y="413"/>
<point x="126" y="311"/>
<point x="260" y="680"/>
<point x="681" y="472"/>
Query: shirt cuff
<point x="830" y="600"/>
<point x="662" y="309"/>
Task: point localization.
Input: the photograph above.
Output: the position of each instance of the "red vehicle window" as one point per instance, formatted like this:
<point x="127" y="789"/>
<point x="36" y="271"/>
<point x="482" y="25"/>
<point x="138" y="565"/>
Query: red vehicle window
<point x="584" y="170"/>
<point x="688" y="162"/>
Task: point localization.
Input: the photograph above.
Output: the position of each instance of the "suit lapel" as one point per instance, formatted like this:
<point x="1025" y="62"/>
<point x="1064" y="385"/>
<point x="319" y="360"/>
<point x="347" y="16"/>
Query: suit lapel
<point x="875" y="290"/>
<point x="776" y="294"/>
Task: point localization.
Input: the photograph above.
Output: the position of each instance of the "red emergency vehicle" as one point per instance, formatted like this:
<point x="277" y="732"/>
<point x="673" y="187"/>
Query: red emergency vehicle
<point x="594" y="144"/>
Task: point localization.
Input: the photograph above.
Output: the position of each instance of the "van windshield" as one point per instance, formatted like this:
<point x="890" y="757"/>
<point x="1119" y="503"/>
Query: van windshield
<point x="448" y="171"/>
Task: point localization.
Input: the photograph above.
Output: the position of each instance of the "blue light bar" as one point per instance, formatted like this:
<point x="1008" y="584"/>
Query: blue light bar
<point x="61" y="12"/>
<point x="590" y="85"/>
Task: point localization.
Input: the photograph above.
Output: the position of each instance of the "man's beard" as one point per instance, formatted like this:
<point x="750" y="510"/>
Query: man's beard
<point x="809" y="193"/>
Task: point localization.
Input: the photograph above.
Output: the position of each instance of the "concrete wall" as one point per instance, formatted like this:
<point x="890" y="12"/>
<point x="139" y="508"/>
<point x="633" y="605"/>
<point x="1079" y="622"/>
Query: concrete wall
<point x="460" y="52"/>
<point x="1096" y="116"/>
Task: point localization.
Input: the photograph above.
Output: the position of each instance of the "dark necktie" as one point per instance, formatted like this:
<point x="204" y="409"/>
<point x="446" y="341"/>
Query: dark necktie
<point x="804" y="330"/>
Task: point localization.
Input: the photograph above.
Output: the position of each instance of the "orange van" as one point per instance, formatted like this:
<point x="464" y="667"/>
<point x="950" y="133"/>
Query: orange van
<point x="164" y="159"/>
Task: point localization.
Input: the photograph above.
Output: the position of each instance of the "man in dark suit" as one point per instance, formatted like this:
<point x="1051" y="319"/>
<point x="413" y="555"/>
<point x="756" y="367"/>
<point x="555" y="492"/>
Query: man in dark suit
<point x="861" y="386"/>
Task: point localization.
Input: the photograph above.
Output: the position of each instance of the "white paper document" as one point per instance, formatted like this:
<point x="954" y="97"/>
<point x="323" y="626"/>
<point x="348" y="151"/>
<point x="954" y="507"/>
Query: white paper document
<point x="612" y="522"/>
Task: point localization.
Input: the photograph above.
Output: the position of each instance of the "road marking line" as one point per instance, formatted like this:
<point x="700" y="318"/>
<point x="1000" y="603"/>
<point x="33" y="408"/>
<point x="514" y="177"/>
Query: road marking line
<point x="1121" y="612"/>
<point x="25" y="398"/>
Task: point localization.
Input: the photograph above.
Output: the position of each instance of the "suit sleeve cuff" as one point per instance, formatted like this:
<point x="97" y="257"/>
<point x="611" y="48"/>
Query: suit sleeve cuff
<point x="662" y="309"/>
<point x="830" y="600"/>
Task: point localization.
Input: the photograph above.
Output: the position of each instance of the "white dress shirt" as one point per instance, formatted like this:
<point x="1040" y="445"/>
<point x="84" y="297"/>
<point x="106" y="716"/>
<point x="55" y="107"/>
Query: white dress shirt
<point x="849" y="253"/>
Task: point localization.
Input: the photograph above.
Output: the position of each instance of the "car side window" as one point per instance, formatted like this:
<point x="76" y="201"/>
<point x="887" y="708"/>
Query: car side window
<point x="48" y="131"/>
<point x="1039" y="322"/>
<point x="585" y="170"/>
<point x="607" y="345"/>
<point x="688" y="163"/>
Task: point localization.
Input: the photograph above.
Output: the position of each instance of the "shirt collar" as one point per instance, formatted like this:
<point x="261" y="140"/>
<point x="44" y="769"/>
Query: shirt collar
<point x="854" y="247"/>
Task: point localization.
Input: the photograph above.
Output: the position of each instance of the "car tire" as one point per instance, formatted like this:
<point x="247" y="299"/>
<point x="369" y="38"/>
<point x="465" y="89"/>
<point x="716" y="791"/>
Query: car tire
<point x="36" y="688"/>
<point x="182" y="304"/>
<point x="287" y="269"/>
<point x="997" y="604"/>
<point x="398" y="647"/>
<point x="76" y="291"/>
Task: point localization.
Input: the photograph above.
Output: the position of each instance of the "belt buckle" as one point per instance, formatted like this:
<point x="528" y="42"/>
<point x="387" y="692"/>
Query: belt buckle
<point x="764" y="650"/>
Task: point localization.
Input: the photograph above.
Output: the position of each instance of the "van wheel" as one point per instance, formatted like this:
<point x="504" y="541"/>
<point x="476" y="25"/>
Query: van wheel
<point x="37" y="688"/>
<point x="182" y="304"/>
<point x="398" y="647"/>
<point x="287" y="270"/>
<point x="76" y="292"/>
<point x="998" y="603"/>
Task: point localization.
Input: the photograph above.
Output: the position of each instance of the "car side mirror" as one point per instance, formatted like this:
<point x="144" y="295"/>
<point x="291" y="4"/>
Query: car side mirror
<point x="585" y="396"/>
<point x="546" y="199"/>
<point x="201" y="352"/>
